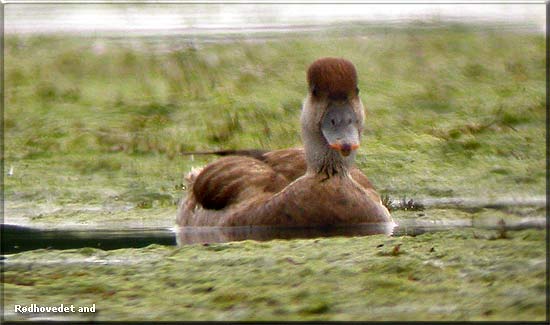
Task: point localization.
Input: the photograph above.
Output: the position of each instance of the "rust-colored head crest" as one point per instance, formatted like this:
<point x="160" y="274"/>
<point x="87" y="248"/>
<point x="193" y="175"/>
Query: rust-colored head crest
<point x="334" y="77"/>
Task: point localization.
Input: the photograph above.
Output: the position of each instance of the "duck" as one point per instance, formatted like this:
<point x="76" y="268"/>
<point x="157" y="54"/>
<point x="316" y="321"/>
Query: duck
<point x="317" y="185"/>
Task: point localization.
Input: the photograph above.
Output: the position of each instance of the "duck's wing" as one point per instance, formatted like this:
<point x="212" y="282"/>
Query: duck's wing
<point x="291" y="163"/>
<point x="248" y="173"/>
<point x="254" y="153"/>
<point x="233" y="180"/>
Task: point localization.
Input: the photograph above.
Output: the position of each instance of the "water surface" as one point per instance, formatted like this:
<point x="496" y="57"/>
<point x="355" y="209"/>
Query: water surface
<point x="17" y="239"/>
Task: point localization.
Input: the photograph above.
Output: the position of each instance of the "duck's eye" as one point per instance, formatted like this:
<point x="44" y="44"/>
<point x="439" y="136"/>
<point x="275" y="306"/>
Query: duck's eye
<point x="333" y="122"/>
<point x="314" y="91"/>
<point x="349" y="121"/>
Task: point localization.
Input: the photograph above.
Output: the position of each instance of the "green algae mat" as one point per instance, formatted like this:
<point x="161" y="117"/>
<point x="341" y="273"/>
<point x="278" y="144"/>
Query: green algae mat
<point x="451" y="275"/>
<point x="95" y="127"/>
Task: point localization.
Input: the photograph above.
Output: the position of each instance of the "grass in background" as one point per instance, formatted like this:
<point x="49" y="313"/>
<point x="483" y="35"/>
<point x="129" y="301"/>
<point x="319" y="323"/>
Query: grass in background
<point x="452" y="111"/>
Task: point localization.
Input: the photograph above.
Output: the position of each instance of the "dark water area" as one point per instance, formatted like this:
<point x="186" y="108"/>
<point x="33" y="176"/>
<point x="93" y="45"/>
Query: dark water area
<point x="16" y="239"/>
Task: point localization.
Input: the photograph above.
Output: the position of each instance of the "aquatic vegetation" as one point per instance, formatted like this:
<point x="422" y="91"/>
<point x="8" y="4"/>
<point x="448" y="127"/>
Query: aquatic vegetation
<point x="450" y="275"/>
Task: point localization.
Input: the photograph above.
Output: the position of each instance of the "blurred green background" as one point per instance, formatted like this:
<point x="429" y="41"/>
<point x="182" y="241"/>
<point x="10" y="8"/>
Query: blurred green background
<point x="452" y="111"/>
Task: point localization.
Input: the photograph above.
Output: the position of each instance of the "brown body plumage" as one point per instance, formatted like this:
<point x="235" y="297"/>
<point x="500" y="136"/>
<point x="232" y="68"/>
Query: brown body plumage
<point x="314" y="186"/>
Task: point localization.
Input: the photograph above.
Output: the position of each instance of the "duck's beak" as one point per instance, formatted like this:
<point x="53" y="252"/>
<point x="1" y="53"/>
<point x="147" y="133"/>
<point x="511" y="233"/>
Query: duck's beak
<point x="340" y="127"/>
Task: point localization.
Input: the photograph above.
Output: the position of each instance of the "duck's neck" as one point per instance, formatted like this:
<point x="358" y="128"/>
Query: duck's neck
<point x="323" y="160"/>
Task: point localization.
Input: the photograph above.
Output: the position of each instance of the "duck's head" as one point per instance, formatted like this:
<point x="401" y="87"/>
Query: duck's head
<point x="332" y="115"/>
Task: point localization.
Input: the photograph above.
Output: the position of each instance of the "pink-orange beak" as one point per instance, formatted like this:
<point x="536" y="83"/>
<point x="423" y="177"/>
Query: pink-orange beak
<point x="344" y="148"/>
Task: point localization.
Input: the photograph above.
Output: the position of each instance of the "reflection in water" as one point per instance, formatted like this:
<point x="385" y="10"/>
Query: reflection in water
<point x="193" y="235"/>
<point x="17" y="239"/>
